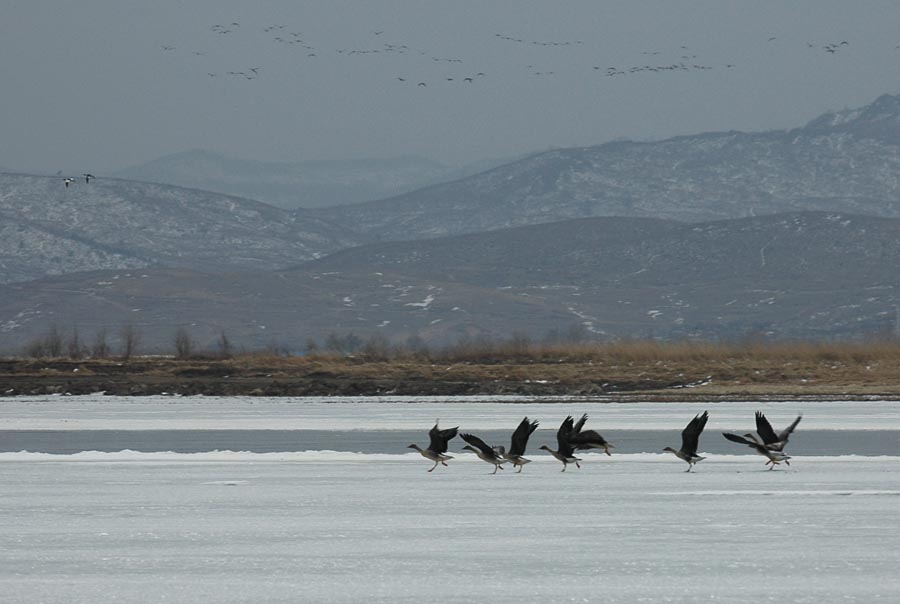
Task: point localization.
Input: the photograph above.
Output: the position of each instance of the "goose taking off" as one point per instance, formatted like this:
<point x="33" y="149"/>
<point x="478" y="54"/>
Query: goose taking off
<point x="690" y="440"/>
<point x="518" y="443"/>
<point x="438" y="446"/>
<point x="754" y="443"/>
<point x="565" y="453"/>
<point x="773" y="441"/>
<point x="766" y="442"/>
<point x="484" y="451"/>
<point x="588" y="439"/>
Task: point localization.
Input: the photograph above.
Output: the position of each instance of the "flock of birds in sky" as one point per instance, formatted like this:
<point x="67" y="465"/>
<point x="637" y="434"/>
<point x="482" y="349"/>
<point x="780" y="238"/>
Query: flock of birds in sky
<point x="572" y="437"/>
<point x="652" y="61"/>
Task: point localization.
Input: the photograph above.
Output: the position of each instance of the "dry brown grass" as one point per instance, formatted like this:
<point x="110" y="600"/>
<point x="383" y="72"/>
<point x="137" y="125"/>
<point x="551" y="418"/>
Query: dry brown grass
<point x="723" y="369"/>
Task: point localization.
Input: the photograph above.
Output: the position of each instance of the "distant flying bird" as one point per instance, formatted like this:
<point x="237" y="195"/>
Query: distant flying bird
<point x="470" y="80"/>
<point x="437" y="446"/>
<point x="68" y="181"/>
<point x="690" y="440"/>
<point x="564" y="452"/>
<point x="88" y="177"/>
<point x="519" y="442"/>
<point x="421" y="84"/>
<point x="484" y="451"/>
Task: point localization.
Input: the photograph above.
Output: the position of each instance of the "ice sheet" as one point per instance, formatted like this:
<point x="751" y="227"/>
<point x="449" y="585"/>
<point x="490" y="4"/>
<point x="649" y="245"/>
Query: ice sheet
<point x="336" y="527"/>
<point x="411" y="413"/>
<point x="230" y="527"/>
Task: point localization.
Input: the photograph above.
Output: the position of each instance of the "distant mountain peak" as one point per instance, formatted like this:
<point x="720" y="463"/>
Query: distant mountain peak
<point x="882" y="112"/>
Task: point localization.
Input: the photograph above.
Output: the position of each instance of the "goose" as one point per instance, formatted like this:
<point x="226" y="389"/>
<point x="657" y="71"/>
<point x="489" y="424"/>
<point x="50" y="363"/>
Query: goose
<point x="565" y="453"/>
<point x="766" y="441"/>
<point x="588" y="439"/>
<point x="751" y="440"/>
<point x="690" y="439"/>
<point x="773" y="441"/>
<point x="437" y="447"/>
<point x="484" y="451"/>
<point x="518" y="443"/>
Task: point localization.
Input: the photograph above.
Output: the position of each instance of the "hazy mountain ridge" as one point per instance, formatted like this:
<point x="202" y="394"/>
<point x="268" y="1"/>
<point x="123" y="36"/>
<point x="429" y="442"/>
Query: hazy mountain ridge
<point x="49" y="228"/>
<point x="846" y="161"/>
<point x="800" y="275"/>
<point x="306" y="184"/>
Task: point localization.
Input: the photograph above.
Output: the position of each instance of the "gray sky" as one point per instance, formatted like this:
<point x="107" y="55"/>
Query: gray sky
<point x="92" y="84"/>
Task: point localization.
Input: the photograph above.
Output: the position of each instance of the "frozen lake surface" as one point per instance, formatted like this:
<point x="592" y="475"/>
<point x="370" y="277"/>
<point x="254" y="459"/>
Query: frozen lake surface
<point x="322" y="526"/>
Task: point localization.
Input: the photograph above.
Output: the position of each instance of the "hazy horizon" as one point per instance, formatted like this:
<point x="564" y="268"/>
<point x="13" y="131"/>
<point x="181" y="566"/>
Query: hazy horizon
<point x="102" y="86"/>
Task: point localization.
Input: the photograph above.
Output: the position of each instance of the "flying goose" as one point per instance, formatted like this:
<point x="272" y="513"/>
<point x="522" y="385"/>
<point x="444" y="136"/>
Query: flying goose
<point x="773" y="441"/>
<point x="518" y="443"/>
<point x="690" y="439"/>
<point x="484" y="451"/>
<point x="766" y="442"/>
<point x="751" y="440"/>
<point x="437" y="447"/>
<point x="565" y="453"/>
<point x="588" y="439"/>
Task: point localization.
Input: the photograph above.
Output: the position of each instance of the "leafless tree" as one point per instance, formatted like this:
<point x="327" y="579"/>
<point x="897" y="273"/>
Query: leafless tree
<point x="74" y="347"/>
<point x="225" y="348"/>
<point x="184" y="343"/>
<point x="100" y="348"/>
<point x="131" y="340"/>
<point x="53" y="342"/>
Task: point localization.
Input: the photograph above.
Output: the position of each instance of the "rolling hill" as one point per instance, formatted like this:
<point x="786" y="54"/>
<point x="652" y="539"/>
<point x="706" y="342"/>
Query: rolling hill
<point x="48" y="228"/>
<point x="813" y="275"/>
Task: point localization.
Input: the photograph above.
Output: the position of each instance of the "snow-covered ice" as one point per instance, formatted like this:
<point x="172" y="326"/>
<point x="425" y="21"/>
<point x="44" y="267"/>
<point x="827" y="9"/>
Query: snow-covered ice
<point x="324" y="526"/>
<point x="100" y="412"/>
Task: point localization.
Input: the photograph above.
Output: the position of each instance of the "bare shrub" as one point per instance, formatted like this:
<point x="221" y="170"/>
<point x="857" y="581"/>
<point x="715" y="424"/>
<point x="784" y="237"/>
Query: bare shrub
<point x="376" y="348"/>
<point x="36" y="348"/>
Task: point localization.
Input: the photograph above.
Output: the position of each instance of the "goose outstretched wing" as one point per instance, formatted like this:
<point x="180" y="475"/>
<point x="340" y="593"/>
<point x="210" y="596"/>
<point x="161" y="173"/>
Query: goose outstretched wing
<point x="439" y="438"/>
<point x="690" y="436"/>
